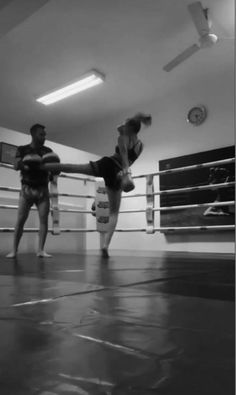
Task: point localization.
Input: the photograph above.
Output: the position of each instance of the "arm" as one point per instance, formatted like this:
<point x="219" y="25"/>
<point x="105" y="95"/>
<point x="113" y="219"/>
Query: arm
<point x="18" y="163"/>
<point x="50" y="173"/>
<point x="138" y="148"/>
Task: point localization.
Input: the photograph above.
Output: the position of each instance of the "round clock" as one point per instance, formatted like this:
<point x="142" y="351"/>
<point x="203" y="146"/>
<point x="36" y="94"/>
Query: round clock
<point x="197" y="115"/>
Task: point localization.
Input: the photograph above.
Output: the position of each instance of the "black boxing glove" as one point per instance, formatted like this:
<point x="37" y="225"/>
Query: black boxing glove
<point x="51" y="157"/>
<point x="31" y="162"/>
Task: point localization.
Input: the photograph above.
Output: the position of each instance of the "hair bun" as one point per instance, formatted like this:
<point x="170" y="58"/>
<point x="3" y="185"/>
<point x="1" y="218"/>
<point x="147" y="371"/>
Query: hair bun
<point x="146" y="119"/>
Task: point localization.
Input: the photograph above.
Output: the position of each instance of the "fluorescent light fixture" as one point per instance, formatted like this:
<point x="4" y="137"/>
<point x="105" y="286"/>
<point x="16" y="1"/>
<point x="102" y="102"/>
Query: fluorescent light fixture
<point x="88" y="81"/>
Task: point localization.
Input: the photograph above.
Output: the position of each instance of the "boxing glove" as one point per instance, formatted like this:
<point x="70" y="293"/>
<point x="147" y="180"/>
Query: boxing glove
<point x="51" y="157"/>
<point x="32" y="161"/>
<point x="127" y="183"/>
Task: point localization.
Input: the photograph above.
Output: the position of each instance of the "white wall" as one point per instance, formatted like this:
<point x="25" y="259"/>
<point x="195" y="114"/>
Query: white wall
<point x="171" y="136"/>
<point x="66" y="242"/>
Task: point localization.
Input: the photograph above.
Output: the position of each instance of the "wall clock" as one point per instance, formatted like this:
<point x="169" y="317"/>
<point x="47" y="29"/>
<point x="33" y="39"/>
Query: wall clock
<point x="197" y="115"/>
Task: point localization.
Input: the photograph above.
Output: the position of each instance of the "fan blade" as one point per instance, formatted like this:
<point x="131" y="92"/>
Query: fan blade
<point x="180" y="58"/>
<point x="199" y="19"/>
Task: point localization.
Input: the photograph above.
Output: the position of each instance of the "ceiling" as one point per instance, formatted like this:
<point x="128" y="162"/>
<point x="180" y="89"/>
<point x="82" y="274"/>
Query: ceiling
<point x="46" y="44"/>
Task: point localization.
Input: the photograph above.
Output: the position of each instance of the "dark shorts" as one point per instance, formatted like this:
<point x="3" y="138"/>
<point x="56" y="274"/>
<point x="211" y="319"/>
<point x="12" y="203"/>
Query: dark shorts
<point x="35" y="195"/>
<point x="107" y="169"/>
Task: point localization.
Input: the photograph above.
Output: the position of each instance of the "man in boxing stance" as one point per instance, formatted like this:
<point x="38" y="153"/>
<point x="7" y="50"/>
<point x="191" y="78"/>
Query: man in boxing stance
<point x="34" y="186"/>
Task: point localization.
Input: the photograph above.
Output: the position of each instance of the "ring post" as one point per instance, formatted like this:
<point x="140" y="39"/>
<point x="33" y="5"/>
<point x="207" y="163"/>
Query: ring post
<point x="102" y="210"/>
<point x="150" y="204"/>
<point x="54" y="206"/>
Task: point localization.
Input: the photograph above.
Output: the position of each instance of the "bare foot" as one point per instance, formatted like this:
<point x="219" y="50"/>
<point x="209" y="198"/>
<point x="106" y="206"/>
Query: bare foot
<point x="11" y="255"/>
<point x="104" y="253"/>
<point x="43" y="254"/>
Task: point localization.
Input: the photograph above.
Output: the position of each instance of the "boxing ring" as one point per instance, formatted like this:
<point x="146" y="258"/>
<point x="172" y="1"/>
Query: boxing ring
<point x="102" y="213"/>
<point x="130" y="325"/>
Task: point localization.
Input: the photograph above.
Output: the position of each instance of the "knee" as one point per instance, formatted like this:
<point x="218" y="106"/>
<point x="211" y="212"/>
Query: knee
<point x="113" y="217"/>
<point x="113" y="213"/>
<point x="44" y="220"/>
<point x="21" y="220"/>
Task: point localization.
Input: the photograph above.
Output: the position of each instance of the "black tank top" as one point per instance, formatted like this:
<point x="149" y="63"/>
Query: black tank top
<point x="133" y="154"/>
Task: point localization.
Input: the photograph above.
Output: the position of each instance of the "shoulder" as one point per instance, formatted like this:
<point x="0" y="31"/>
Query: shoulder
<point x="139" y="146"/>
<point x="23" y="149"/>
<point x="46" y="150"/>
<point x="140" y="143"/>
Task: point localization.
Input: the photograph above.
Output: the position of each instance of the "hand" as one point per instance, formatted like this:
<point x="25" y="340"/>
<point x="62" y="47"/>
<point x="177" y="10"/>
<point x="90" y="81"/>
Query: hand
<point x="120" y="175"/>
<point x="51" y="157"/>
<point x="127" y="181"/>
<point x="31" y="162"/>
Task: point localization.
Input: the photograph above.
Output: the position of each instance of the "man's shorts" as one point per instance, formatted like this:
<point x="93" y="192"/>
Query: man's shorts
<point x="107" y="169"/>
<point x="35" y="195"/>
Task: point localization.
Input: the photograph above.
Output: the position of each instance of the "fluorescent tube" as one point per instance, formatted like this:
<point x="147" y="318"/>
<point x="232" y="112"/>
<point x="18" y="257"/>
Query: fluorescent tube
<point x="88" y="81"/>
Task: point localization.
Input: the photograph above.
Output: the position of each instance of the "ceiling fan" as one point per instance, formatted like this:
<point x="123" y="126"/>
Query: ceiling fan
<point x="206" y="38"/>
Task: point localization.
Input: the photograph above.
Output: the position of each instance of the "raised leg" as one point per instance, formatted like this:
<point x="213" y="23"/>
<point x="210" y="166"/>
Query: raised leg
<point x="69" y="168"/>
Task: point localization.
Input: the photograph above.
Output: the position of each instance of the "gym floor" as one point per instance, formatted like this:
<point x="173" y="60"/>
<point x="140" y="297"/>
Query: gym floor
<point x="75" y="324"/>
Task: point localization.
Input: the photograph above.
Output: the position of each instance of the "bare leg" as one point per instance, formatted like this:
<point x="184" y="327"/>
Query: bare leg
<point x="69" y="168"/>
<point x="114" y="198"/>
<point x="22" y="215"/>
<point x="43" y="210"/>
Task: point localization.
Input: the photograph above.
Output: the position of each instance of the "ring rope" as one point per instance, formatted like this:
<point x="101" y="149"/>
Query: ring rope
<point x="186" y="168"/>
<point x="203" y="228"/>
<point x="180" y="207"/>
<point x="63" y="175"/>
<point x="159" y="229"/>
<point x="150" y="204"/>
<point x="66" y="210"/>
<point x="229" y="203"/>
<point x="162" y="172"/>
<point x="185" y="206"/>
<point x="6" y="165"/>
<point x="10" y="189"/>
<point x="197" y="188"/>
<point x="150" y="201"/>
<point x="187" y="189"/>
<point x="77" y="196"/>
<point x="33" y="230"/>
<point x="165" y="192"/>
<point x="59" y="194"/>
<point x="179" y="228"/>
